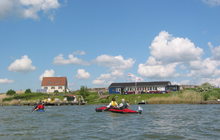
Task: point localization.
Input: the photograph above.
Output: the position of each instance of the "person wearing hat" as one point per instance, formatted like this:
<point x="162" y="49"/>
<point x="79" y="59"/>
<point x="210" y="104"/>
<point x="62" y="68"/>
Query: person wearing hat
<point x="112" y="104"/>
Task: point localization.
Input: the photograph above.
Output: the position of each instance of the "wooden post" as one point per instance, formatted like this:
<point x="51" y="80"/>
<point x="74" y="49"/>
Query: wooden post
<point x="135" y="102"/>
<point x="1" y="103"/>
<point x="19" y="102"/>
<point x="79" y="101"/>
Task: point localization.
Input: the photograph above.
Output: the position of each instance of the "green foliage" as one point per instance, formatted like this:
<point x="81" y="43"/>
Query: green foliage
<point x="24" y="96"/>
<point x="10" y="92"/>
<point x="205" y="96"/>
<point x="27" y="91"/>
<point x="204" y="87"/>
<point x="84" y="91"/>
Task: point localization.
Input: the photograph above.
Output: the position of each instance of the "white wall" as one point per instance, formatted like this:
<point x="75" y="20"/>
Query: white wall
<point x="56" y="88"/>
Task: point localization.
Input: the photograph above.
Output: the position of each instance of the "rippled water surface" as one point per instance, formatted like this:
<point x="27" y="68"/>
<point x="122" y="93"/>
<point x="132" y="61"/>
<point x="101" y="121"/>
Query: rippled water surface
<point x="82" y="122"/>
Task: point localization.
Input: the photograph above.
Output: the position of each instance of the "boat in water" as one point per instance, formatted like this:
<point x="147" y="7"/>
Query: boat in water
<point x="116" y="110"/>
<point x="39" y="110"/>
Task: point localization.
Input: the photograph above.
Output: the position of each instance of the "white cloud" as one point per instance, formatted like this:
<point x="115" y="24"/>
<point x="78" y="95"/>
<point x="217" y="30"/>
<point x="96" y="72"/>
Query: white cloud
<point x="27" y="8"/>
<point x="184" y="82"/>
<point x="215" y="51"/>
<point x="166" y="53"/>
<point x="6" y="81"/>
<point x="98" y="82"/>
<point x="47" y="73"/>
<point x="81" y="74"/>
<point x="114" y="62"/>
<point x="22" y="65"/>
<point x="206" y="68"/>
<point x="79" y="52"/>
<point x="59" y="60"/>
<point x="117" y="73"/>
<point x="182" y="67"/>
<point x="105" y="77"/>
<point x="101" y="82"/>
<point x="214" y="82"/>
<point x="158" y="71"/>
<point x="168" y="49"/>
<point x="212" y="2"/>
<point x="70" y="84"/>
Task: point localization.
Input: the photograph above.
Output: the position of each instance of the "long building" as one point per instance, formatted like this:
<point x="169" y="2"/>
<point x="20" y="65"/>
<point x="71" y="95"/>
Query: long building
<point x="131" y="87"/>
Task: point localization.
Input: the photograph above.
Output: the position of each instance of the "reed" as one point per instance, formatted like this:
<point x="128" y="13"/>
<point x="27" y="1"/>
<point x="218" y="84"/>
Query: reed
<point x="177" y="98"/>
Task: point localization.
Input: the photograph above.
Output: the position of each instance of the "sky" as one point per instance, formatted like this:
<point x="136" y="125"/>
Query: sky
<point x="97" y="42"/>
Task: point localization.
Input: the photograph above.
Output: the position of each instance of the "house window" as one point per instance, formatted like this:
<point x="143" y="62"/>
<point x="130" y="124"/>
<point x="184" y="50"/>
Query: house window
<point x="60" y="88"/>
<point x="118" y="89"/>
<point x="45" y="87"/>
<point x="57" y="82"/>
<point x="49" y="82"/>
<point x="52" y="87"/>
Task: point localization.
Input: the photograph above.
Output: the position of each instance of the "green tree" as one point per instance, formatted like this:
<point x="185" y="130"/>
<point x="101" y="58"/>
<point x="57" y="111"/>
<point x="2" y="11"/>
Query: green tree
<point x="204" y="87"/>
<point x="27" y="91"/>
<point x="84" y="91"/>
<point x="10" y="92"/>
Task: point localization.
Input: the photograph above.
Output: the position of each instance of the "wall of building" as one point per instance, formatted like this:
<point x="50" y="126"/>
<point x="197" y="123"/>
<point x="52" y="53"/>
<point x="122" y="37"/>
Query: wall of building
<point x="114" y="90"/>
<point x="51" y="90"/>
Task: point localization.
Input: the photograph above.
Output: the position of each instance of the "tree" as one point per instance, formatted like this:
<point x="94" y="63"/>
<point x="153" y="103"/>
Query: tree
<point x="27" y="91"/>
<point x="10" y="92"/>
<point x="84" y="91"/>
<point x="204" y="87"/>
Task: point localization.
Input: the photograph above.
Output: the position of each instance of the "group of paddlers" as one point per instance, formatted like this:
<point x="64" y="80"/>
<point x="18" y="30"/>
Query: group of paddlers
<point x="39" y="106"/>
<point x="122" y="105"/>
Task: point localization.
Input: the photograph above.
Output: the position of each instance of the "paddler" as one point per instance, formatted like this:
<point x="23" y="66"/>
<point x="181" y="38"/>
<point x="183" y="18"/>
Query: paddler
<point x="112" y="104"/>
<point x="41" y="106"/>
<point x="123" y="104"/>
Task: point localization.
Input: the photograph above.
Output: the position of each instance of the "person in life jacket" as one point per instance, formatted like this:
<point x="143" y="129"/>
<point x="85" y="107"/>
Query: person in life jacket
<point x="40" y="106"/>
<point x="112" y="104"/>
<point x="35" y="107"/>
<point x="123" y="104"/>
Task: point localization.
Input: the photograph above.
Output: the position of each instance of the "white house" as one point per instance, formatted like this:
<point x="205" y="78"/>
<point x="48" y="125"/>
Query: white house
<point x="55" y="84"/>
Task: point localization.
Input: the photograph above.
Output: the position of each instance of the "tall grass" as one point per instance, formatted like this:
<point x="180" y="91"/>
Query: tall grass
<point x="188" y="96"/>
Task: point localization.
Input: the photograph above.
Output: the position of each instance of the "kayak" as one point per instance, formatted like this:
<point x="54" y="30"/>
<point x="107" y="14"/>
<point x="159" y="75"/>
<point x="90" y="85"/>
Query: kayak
<point x="101" y="109"/>
<point x="39" y="110"/>
<point x="126" y="110"/>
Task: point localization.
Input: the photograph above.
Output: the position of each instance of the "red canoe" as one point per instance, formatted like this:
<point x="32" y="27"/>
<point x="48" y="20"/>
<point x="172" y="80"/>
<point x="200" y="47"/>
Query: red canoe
<point x="117" y="110"/>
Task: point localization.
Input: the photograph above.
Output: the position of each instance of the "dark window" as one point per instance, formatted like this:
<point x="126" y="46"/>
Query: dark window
<point x="45" y="87"/>
<point x="57" y="82"/>
<point x="52" y="87"/>
<point x="60" y="88"/>
<point x="49" y="82"/>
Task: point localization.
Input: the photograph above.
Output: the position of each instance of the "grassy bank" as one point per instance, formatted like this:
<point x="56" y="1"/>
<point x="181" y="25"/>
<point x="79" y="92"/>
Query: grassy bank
<point x="181" y="97"/>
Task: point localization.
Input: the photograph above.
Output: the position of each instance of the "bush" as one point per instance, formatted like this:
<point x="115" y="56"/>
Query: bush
<point x="27" y="91"/>
<point x="10" y="92"/>
<point x="84" y="91"/>
<point x="204" y="87"/>
<point x="205" y="97"/>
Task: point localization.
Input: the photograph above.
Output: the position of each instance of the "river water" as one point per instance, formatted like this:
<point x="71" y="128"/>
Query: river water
<point x="171" y="122"/>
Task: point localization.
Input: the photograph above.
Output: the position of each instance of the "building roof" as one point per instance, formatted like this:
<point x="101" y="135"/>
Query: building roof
<point x="54" y="81"/>
<point x="141" y="84"/>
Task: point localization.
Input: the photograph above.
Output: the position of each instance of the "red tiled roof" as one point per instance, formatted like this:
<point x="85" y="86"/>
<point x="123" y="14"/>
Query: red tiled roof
<point x="54" y="81"/>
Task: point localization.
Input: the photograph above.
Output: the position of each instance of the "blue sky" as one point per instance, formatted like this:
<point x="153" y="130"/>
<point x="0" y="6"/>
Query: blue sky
<point x="97" y="42"/>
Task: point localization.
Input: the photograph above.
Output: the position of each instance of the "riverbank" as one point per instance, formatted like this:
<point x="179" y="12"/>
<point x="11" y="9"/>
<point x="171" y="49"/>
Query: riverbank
<point x="187" y="96"/>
